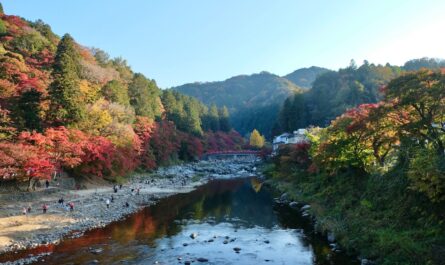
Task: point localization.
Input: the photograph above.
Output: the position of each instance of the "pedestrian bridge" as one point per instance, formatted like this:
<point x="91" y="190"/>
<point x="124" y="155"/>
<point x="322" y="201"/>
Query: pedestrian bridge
<point x="230" y="154"/>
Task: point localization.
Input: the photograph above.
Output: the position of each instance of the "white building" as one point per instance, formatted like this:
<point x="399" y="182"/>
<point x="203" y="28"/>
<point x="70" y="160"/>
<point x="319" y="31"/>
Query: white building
<point x="296" y="137"/>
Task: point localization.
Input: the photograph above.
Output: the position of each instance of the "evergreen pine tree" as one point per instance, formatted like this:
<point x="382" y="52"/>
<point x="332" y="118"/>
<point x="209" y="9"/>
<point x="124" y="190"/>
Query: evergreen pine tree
<point x="144" y="96"/>
<point x="224" y="123"/>
<point x="214" y="118"/>
<point x="67" y="106"/>
<point x="29" y="109"/>
<point x="115" y="91"/>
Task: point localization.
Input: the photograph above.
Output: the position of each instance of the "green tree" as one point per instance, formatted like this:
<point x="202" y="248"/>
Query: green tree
<point x="3" y="29"/>
<point x="293" y="114"/>
<point x="29" y="109"/>
<point x="67" y="106"/>
<point x="102" y="58"/>
<point x="115" y="91"/>
<point x="224" y="123"/>
<point x="45" y="30"/>
<point x="256" y="139"/>
<point x="419" y="105"/>
<point x="144" y="96"/>
<point x="193" y="119"/>
<point x="427" y="174"/>
<point x="213" y="117"/>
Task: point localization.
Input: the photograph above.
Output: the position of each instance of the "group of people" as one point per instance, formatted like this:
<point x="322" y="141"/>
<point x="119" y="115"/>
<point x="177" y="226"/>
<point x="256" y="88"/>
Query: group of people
<point x="137" y="190"/>
<point x="115" y="189"/>
<point x="26" y="210"/>
<point x="70" y="205"/>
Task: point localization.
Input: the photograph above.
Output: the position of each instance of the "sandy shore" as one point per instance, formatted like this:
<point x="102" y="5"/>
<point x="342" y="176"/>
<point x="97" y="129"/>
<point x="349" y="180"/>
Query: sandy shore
<point x="18" y="231"/>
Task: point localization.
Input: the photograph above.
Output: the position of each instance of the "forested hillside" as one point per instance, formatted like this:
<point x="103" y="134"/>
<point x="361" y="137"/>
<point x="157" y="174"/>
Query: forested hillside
<point x="252" y="100"/>
<point x="66" y="107"/>
<point x="334" y="92"/>
<point x="375" y="176"/>
<point x="304" y="77"/>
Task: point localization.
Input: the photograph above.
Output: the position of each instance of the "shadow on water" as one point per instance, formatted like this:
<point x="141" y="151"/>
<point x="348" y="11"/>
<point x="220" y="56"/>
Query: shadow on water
<point x="224" y="215"/>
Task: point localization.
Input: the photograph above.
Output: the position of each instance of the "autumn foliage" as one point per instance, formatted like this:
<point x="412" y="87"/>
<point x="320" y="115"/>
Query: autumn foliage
<point x="68" y="108"/>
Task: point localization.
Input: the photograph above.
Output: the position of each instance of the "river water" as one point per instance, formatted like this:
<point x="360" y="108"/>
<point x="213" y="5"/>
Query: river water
<point x="233" y="222"/>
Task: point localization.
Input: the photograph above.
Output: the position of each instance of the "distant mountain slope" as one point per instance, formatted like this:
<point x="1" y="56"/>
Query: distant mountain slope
<point x="241" y="94"/>
<point x="304" y="77"/>
<point x="425" y="62"/>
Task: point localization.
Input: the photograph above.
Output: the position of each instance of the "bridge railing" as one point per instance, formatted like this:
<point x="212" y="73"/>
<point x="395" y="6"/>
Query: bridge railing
<point x="231" y="153"/>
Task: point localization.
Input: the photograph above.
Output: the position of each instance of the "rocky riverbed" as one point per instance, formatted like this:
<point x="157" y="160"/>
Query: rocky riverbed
<point x="18" y="231"/>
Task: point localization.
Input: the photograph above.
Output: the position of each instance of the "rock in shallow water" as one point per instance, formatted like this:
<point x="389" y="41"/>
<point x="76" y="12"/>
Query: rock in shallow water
<point x="96" y="250"/>
<point x="293" y="205"/>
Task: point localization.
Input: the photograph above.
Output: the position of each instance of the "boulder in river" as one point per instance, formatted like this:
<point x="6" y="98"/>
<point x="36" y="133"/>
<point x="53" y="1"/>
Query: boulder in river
<point x="331" y="237"/>
<point x="284" y="197"/>
<point x="202" y="259"/>
<point x="194" y="235"/>
<point x="96" y="250"/>
<point x="293" y="205"/>
<point x="306" y="207"/>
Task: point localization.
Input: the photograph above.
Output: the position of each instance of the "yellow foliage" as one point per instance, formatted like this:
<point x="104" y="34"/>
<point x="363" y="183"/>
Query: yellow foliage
<point x="90" y="92"/>
<point x="120" y="134"/>
<point x="97" y="119"/>
<point x="256" y="139"/>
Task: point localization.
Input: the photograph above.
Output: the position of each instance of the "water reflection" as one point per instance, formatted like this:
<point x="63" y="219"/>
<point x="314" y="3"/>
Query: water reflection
<point x="225" y="214"/>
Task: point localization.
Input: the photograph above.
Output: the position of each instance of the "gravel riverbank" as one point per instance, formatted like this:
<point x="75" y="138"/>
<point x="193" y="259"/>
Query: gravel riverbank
<point x="18" y="231"/>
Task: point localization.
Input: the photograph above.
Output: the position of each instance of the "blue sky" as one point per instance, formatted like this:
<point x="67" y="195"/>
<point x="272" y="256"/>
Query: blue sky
<point x="176" y="42"/>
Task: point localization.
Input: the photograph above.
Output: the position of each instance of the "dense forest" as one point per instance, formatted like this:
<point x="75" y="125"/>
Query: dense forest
<point x="306" y="97"/>
<point x="334" y="92"/>
<point x="375" y="176"/>
<point x="253" y="101"/>
<point x="304" y="77"/>
<point x="66" y="107"/>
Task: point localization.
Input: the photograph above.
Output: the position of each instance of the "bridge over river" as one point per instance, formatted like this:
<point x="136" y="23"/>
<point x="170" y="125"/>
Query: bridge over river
<point x="230" y="154"/>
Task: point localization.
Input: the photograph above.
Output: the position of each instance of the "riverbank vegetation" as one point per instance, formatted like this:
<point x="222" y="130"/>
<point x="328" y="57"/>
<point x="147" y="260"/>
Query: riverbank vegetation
<point x="66" y="107"/>
<point x="375" y="177"/>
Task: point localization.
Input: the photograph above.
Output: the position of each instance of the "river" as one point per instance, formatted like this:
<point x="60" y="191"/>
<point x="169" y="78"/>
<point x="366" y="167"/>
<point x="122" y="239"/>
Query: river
<point x="231" y="221"/>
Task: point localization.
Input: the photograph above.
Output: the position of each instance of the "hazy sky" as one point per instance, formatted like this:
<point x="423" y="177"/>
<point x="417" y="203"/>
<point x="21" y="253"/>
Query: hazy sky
<point x="180" y="41"/>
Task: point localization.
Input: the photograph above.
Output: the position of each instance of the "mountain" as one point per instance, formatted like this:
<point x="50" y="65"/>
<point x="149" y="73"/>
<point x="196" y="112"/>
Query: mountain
<point x="333" y="92"/>
<point x="304" y="77"/>
<point x="253" y="100"/>
<point x="425" y="62"/>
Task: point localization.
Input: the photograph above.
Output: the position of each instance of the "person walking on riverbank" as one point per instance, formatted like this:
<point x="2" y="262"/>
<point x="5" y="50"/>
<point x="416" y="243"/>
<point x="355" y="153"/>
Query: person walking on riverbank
<point x="112" y="198"/>
<point x="29" y="209"/>
<point x="71" y="204"/>
<point x="47" y="183"/>
<point x="108" y="203"/>
<point x="44" y="208"/>
<point x="24" y="211"/>
<point x="61" y="201"/>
